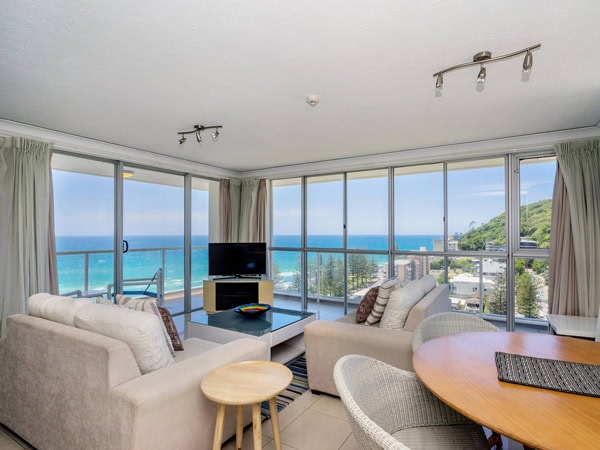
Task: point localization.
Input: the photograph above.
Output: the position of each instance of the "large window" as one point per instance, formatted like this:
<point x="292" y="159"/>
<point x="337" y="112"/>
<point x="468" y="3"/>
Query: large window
<point x="85" y="195"/>
<point x="448" y="219"/>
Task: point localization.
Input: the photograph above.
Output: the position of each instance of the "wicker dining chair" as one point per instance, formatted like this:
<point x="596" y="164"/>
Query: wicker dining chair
<point x="443" y="324"/>
<point x="389" y="408"/>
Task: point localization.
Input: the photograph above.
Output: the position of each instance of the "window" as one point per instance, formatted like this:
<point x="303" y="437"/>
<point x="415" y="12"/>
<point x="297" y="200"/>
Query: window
<point x="200" y="221"/>
<point x="84" y="223"/>
<point x="325" y="211"/>
<point x="476" y="205"/>
<point x="419" y="208"/>
<point x="368" y="211"/>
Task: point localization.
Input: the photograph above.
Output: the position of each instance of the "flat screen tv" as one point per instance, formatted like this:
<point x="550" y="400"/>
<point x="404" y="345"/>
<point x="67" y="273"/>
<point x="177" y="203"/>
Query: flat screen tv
<point x="237" y="259"/>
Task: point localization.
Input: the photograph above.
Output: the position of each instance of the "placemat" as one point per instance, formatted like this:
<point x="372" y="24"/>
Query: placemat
<point x="563" y="376"/>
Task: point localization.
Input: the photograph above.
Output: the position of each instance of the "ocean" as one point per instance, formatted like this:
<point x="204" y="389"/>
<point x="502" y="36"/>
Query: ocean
<point x="147" y="253"/>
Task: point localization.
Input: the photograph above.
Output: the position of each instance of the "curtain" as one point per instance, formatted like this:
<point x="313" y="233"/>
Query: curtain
<point x="253" y="197"/>
<point x="27" y="247"/>
<point x="579" y="163"/>
<point x="224" y="211"/>
<point x="562" y="293"/>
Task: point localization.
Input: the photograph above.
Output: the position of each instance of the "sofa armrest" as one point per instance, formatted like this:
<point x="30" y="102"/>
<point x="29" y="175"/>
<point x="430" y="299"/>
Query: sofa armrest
<point x="166" y="409"/>
<point x="327" y="341"/>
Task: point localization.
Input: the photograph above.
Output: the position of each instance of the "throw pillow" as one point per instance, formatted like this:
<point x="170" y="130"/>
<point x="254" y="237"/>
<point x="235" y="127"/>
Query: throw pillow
<point x="149" y="306"/>
<point x="139" y="330"/>
<point x="383" y="296"/>
<point x="400" y="303"/>
<point x="366" y="304"/>
<point x="171" y="329"/>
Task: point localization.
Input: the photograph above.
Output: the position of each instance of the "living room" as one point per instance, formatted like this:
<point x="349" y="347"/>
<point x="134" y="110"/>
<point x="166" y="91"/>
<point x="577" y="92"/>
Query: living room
<point x="336" y="108"/>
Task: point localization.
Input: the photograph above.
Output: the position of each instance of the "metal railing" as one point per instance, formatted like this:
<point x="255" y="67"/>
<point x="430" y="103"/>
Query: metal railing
<point x="162" y="261"/>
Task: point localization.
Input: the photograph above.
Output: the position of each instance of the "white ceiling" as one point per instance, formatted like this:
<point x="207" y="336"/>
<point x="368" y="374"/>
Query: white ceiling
<point x="135" y="72"/>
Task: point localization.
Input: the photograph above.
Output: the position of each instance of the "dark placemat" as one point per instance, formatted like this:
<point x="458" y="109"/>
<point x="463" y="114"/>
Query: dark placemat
<point x="563" y="376"/>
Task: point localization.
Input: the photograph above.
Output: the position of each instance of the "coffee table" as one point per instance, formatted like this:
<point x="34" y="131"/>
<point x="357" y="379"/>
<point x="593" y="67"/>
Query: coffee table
<point x="277" y="327"/>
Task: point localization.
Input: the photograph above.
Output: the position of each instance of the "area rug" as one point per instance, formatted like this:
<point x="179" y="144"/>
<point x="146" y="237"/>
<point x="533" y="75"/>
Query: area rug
<point x="297" y="387"/>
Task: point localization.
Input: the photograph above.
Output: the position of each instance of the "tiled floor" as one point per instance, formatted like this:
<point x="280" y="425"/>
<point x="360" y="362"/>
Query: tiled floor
<point x="310" y="422"/>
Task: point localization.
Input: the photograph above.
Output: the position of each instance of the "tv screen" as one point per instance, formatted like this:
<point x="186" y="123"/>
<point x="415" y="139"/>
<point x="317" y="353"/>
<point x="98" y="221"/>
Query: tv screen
<point x="237" y="258"/>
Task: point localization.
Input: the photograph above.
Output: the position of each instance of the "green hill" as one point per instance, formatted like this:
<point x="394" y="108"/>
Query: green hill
<point x="535" y="225"/>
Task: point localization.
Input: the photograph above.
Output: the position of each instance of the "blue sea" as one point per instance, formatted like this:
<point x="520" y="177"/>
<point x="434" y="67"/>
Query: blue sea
<point x="147" y="253"/>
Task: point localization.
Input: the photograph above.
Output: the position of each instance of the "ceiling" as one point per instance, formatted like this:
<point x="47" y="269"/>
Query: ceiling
<point x="134" y="73"/>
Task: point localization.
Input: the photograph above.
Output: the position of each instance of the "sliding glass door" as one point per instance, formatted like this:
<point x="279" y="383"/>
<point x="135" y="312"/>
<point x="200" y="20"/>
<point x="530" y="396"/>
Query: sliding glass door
<point x="84" y="224"/>
<point x="153" y="227"/>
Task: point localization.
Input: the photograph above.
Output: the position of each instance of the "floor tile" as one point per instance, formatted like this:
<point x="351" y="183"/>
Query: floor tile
<point x="330" y="405"/>
<point x="315" y="430"/>
<point x="350" y="444"/>
<point x="286" y="417"/>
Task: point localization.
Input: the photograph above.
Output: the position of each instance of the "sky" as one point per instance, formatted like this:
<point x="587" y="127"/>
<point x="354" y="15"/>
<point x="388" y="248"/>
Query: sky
<point x="84" y="203"/>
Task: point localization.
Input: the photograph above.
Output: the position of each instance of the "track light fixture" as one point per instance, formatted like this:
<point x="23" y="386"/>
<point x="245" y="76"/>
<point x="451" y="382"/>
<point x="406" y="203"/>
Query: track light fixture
<point x="197" y="129"/>
<point x="485" y="56"/>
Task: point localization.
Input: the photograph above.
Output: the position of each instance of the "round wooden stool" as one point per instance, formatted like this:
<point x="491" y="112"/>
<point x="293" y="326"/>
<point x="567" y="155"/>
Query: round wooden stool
<point x="246" y="383"/>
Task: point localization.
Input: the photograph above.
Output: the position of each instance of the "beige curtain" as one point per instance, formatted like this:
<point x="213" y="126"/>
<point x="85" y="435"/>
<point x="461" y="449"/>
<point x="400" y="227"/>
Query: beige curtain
<point x="224" y="211"/>
<point x="579" y="163"/>
<point x="562" y="292"/>
<point x="27" y="247"/>
<point x="253" y="197"/>
<point x="242" y="211"/>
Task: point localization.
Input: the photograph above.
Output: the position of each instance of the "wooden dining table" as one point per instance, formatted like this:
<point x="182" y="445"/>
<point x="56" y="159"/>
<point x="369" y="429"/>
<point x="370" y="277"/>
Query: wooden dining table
<point x="460" y="370"/>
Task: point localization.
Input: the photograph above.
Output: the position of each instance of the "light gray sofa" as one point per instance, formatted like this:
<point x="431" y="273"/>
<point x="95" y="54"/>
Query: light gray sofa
<point x="63" y="387"/>
<point x="327" y="341"/>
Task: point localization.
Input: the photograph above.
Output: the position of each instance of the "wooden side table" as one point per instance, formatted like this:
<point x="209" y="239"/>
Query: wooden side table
<point x="246" y="383"/>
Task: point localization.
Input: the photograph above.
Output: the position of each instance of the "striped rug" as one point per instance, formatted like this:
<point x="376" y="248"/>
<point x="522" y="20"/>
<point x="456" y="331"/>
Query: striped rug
<point x="297" y="387"/>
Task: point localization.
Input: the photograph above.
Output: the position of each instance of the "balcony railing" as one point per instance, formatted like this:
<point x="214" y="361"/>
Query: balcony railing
<point x="87" y="270"/>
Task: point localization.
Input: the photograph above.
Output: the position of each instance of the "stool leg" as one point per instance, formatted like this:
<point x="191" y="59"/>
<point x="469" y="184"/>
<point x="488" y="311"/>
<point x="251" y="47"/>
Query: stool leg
<point x="275" y="423"/>
<point x="239" y="426"/>
<point x="256" y="426"/>
<point x="219" y="427"/>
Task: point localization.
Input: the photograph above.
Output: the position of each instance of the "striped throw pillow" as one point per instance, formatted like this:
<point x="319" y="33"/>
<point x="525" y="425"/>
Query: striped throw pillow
<point x="382" y="299"/>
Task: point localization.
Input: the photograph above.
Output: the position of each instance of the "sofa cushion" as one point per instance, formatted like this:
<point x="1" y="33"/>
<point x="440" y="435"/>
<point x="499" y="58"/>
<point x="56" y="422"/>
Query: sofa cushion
<point x="366" y="304"/>
<point x="383" y="295"/>
<point x="141" y="331"/>
<point x="402" y="301"/>
<point x="55" y="307"/>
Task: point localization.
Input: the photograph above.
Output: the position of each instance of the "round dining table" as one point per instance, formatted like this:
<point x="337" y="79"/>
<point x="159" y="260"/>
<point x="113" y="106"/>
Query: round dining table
<point x="461" y="370"/>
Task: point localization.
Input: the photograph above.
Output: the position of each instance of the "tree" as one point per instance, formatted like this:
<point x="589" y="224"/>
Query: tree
<point x="526" y="296"/>
<point x="497" y="299"/>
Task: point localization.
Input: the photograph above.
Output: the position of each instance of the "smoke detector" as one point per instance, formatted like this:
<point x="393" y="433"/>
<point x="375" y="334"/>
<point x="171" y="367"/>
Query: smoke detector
<point x="312" y="99"/>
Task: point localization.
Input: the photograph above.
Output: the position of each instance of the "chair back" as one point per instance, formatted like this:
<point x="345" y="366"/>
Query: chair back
<point x="446" y="323"/>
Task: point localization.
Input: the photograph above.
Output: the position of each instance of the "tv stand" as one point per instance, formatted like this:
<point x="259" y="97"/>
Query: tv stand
<point x="226" y="293"/>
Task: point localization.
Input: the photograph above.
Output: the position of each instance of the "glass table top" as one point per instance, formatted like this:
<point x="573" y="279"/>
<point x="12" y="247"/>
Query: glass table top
<point x="272" y="320"/>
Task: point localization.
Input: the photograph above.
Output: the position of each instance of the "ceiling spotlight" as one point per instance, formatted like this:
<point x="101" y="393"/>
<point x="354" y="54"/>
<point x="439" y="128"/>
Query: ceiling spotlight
<point x="127" y="173"/>
<point x="439" y="83"/>
<point x="486" y="57"/>
<point x="481" y="75"/>
<point x="197" y="131"/>
<point x="527" y="61"/>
